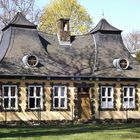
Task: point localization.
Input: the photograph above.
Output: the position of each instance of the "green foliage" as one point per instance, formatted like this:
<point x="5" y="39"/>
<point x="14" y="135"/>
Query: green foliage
<point x="138" y="56"/>
<point x="80" y="20"/>
<point x="73" y="132"/>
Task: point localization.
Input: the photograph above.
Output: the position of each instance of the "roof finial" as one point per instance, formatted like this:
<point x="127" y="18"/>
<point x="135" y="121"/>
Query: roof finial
<point x="103" y="15"/>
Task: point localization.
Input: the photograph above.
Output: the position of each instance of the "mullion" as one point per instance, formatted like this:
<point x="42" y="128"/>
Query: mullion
<point x="59" y="97"/>
<point x="128" y="98"/>
<point x="12" y="97"/>
<point x="9" y="96"/>
<point x="37" y="97"/>
<point x="34" y="97"/>
<point x="106" y="97"/>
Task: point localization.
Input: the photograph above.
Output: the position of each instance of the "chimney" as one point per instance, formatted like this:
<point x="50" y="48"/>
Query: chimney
<point x="63" y="31"/>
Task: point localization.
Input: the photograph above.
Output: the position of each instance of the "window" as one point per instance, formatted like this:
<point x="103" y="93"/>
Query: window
<point x="60" y="97"/>
<point x="86" y="90"/>
<point x="35" y="97"/>
<point x="107" y="97"/>
<point x="10" y="97"/>
<point x="32" y="60"/>
<point x="128" y="97"/>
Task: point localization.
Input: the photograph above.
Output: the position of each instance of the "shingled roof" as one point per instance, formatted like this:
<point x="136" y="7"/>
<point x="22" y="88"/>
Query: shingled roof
<point x="20" y="21"/>
<point x="89" y="55"/>
<point x="104" y="26"/>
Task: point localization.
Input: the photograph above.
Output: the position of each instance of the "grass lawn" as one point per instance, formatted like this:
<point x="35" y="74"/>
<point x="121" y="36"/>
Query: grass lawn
<point x="73" y="132"/>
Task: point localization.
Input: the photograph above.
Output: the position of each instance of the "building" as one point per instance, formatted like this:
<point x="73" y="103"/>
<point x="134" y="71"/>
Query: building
<point x="50" y="78"/>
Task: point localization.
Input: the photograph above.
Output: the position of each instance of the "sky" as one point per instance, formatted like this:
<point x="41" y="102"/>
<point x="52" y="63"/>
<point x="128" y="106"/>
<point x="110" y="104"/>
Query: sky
<point x="122" y="14"/>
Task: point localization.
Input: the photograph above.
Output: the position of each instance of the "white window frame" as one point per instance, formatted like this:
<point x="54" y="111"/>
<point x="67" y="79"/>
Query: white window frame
<point x="129" y="104"/>
<point x="59" y="97"/>
<point x="107" y="104"/>
<point x="35" y="97"/>
<point x="9" y="97"/>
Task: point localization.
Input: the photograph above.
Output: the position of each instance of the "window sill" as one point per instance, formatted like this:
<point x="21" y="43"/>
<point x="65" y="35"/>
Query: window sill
<point x="10" y="110"/>
<point x="107" y="109"/>
<point x="129" y="109"/>
<point x="60" y="109"/>
<point x="34" y="110"/>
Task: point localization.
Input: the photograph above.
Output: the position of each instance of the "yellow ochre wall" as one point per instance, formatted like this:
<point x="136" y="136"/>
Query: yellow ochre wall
<point x="117" y="114"/>
<point x="68" y="115"/>
<point x="33" y="115"/>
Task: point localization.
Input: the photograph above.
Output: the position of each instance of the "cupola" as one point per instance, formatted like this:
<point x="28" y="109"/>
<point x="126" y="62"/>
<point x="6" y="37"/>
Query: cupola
<point x="20" y="21"/>
<point x="104" y="27"/>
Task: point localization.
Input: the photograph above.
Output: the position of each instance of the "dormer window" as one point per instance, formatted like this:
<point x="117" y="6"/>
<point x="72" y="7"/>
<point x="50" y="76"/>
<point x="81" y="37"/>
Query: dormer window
<point x="30" y="60"/>
<point x="121" y="63"/>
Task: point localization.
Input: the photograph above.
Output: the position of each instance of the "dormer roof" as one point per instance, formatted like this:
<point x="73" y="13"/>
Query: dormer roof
<point x="20" y="21"/>
<point x="104" y="26"/>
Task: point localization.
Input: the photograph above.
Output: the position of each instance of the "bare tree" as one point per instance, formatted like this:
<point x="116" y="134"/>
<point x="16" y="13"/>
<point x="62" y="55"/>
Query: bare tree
<point x="132" y="41"/>
<point x="8" y="8"/>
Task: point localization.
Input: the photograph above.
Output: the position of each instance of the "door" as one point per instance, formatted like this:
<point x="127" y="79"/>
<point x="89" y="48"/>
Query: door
<point x="84" y="107"/>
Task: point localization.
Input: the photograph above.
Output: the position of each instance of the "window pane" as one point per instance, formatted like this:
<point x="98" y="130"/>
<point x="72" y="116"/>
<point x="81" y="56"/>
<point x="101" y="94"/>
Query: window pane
<point x="13" y="91"/>
<point x="109" y="99"/>
<point x="103" y="99"/>
<point x="125" y="99"/>
<point x="62" y="91"/>
<point x="125" y="91"/>
<point x="131" y="91"/>
<point x="13" y="101"/>
<point x="56" y="102"/>
<point x="110" y="105"/>
<point x="38" y="105"/>
<point x="31" y="91"/>
<point x="131" y="105"/>
<point x="103" y="105"/>
<point x="62" y="102"/>
<point x="103" y="91"/>
<point x="79" y="90"/>
<point x="38" y="90"/>
<point x="109" y="91"/>
<point x="55" y="91"/>
<point x="6" y="91"/>
<point x="6" y="101"/>
<point x="131" y="99"/>
<point x="85" y="89"/>
<point x="31" y="103"/>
